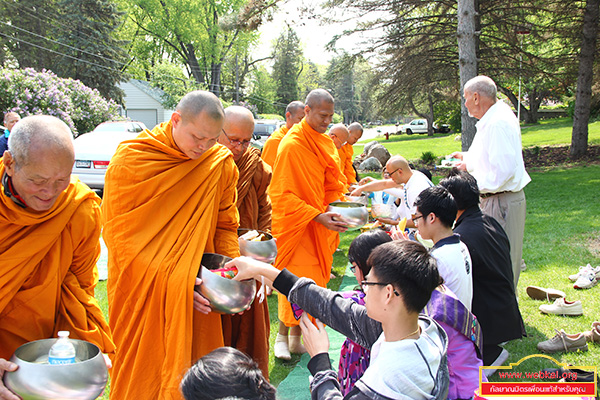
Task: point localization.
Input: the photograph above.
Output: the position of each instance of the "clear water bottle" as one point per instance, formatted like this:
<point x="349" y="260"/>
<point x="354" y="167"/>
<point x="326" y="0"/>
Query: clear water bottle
<point x="63" y="351"/>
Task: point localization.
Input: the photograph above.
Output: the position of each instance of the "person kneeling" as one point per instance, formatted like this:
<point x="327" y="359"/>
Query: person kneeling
<point x="408" y="350"/>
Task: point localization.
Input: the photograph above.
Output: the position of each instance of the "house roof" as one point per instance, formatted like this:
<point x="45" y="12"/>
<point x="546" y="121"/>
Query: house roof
<point x="156" y="93"/>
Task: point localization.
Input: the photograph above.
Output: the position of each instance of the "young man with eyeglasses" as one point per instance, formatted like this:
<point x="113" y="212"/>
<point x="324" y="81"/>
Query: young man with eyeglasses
<point x="248" y="332"/>
<point x="436" y="211"/>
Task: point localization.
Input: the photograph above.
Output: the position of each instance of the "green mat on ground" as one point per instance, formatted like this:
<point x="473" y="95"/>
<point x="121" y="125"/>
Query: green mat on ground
<point x="296" y="385"/>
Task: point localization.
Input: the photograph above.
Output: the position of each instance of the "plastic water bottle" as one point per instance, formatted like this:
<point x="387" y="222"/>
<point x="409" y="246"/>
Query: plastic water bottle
<point x="63" y="351"/>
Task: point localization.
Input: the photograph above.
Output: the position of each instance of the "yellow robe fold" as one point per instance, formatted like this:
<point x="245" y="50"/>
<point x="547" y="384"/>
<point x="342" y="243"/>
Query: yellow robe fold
<point x="48" y="270"/>
<point x="269" y="151"/>
<point x="162" y="211"/>
<point x="250" y="331"/>
<point x="346" y="153"/>
<point x="306" y="178"/>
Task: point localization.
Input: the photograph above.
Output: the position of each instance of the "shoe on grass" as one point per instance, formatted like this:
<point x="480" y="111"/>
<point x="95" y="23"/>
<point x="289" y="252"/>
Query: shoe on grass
<point x="281" y="348"/>
<point x="585" y="268"/>
<point x="563" y="342"/>
<point x="587" y="279"/>
<point x="594" y="334"/>
<point x="561" y="306"/>
<point x="502" y="357"/>
<point x="540" y="293"/>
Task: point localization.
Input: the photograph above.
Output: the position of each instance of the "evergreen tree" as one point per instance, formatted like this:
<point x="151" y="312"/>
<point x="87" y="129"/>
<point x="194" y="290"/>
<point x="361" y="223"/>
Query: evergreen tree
<point x="287" y="66"/>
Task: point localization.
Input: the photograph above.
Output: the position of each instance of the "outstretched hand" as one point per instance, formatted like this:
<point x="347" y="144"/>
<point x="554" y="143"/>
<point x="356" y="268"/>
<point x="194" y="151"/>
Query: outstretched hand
<point x="315" y="338"/>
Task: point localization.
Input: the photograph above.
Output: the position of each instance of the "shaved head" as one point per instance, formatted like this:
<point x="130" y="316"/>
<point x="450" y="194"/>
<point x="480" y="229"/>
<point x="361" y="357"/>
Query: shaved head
<point x="39" y="161"/>
<point x="398" y="170"/>
<point x="339" y="134"/>
<point x="237" y="130"/>
<point x="197" y="102"/>
<point x="40" y="133"/>
<point x="356" y="131"/>
<point x="318" y="96"/>
<point x="294" y="113"/>
<point x="319" y="110"/>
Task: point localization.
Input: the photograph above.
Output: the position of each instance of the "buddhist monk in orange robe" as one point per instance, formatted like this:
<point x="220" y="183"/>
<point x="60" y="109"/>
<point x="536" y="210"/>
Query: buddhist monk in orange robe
<point x="347" y="152"/>
<point x="169" y="197"/>
<point x="249" y="332"/>
<point x="294" y="112"/>
<point x="49" y="243"/>
<point x="306" y="178"/>
<point x="339" y="135"/>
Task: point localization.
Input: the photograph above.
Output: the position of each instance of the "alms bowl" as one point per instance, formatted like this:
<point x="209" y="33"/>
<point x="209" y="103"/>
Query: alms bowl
<point x="265" y="250"/>
<point x="354" y="215"/>
<point x="36" y="379"/>
<point x="226" y="296"/>
<point x="362" y="199"/>
<point x="381" y="210"/>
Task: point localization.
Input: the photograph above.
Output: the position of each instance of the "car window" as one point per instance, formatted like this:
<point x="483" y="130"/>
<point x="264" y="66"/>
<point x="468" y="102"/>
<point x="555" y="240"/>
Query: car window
<point x="264" y="129"/>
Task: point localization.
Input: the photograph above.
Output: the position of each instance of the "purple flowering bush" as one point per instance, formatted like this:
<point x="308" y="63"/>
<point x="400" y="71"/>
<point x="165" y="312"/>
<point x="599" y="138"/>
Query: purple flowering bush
<point x="28" y="92"/>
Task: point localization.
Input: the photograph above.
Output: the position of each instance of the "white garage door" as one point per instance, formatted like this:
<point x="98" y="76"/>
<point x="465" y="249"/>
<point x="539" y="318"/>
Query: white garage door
<point x="148" y="117"/>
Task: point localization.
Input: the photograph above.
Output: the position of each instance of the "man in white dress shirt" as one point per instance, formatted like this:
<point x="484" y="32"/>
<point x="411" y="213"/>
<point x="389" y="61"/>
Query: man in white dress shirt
<point x="495" y="159"/>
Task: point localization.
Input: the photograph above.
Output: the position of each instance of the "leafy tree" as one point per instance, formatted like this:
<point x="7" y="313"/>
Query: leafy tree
<point x="262" y="91"/>
<point x="201" y="35"/>
<point x="74" y="38"/>
<point x="311" y="77"/>
<point x="287" y="65"/>
<point x="169" y="77"/>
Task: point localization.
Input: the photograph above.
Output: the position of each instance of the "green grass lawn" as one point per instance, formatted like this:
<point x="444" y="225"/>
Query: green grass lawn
<point x="562" y="232"/>
<point x="547" y="132"/>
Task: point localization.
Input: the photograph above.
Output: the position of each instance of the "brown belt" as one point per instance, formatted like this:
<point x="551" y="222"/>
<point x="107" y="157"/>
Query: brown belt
<point x="486" y="195"/>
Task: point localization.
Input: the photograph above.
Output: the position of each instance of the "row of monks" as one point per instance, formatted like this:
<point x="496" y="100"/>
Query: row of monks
<point x="172" y="194"/>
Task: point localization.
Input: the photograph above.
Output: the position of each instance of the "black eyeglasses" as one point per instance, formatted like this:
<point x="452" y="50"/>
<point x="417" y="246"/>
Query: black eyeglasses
<point x="416" y="217"/>
<point x="240" y="143"/>
<point x="365" y="284"/>
<point x="393" y="172"/>
<point x="352" y="268"/>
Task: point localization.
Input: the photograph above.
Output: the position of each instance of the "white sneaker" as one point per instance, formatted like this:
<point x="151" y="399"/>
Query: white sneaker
<point x="583" y="269"/>
<point x="563" y="307"/>
<point x="586" y="280"/>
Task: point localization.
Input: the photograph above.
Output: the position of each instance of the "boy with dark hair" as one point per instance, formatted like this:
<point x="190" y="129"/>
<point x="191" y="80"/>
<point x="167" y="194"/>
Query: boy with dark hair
<point x="436" y="211"/>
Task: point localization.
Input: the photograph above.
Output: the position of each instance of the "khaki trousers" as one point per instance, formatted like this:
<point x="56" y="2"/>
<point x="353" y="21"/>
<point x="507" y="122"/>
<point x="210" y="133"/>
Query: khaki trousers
<point x="509" y="209"/>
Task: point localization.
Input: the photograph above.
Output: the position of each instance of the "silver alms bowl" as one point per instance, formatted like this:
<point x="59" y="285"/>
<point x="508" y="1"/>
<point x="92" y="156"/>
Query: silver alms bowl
<point x="226" y="296"/>
<point x="36" y="379"/>
<point x="264" y="251"/>
<point x="354" y="215"/>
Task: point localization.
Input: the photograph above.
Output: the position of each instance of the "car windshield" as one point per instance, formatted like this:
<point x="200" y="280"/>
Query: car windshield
<point x="264" y="129"/>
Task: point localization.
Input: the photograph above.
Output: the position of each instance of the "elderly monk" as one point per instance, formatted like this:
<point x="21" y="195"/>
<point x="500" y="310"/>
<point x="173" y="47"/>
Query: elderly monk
<point x="249" y="332"/>
<point x="306" y="178"/>
<point x="49" y="243"/>
<point x="355" y="131"/>
<point x="294" y="112"/>
<point x="169" y="197"/>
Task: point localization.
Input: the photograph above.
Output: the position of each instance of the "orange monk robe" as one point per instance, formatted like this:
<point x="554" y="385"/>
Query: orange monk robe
<point x="48" y="270"/>
<point x="250" y="331"/>
<point x="162" y="211"/>
<point x="346" y="153"/>
<point x="269" y="151"/>
<point x="306" y="178"/>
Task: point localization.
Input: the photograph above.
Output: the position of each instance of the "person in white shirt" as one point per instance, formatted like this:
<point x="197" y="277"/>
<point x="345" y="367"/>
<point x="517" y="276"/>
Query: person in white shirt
<point x="495" y="159"/>
<point x="399" y="173"/>
<point x="436" y="211"/>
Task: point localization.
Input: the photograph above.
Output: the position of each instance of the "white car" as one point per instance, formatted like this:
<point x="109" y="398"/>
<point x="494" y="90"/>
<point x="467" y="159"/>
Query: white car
<point x="94" y="150"/>
<point x="420" y="126"/>
<point x="262" y="130"/>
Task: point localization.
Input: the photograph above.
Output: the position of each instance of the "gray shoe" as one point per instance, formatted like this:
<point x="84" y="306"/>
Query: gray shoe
<point x="563" y="342"/>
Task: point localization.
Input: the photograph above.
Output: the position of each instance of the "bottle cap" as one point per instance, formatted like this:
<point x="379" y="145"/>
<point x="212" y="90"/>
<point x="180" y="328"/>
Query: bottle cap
<point x="63" y="334"/>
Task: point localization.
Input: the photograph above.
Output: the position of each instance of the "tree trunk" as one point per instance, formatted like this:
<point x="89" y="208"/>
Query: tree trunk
<point x="430" y="115"/>
<point x="581" y="116"/>
<point x="467" y="62"/>
<point x="515" y="102"/>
